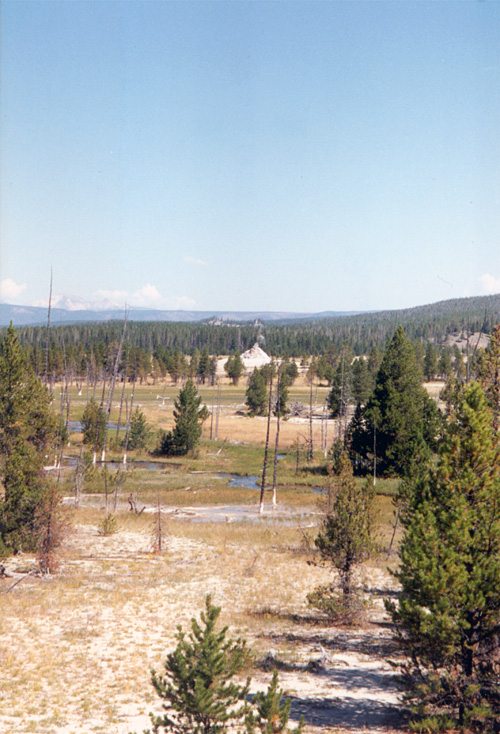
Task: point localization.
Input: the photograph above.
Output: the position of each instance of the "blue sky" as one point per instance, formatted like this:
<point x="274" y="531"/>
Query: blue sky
<point x="294" y="156"/>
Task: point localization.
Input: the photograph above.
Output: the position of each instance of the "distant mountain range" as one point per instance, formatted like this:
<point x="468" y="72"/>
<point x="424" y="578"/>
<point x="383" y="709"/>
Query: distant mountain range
<point x="36" y="316"/>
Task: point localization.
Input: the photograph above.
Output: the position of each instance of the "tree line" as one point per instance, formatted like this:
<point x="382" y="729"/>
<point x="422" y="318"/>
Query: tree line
<point x="155" y="349"/>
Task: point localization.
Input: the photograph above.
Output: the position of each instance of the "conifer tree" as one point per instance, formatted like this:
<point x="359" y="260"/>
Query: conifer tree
<point x="355" y="429"/>
<point x="444" y="364"/>
<point x="324" y="367"/>
<point x="256" y="394"/>
<point x="197" y="688"/>
<point x="290" y="370"/>
<point x="94" y="425"/>
<point x="139" y="431"/>
<point x="177" y="367"/>
<point x="52" y="524"/>
<point x="339" y="395"/>
<point x="199" y="694"/>
<point x="268" y="372"/>
<point x="280" y="405"/>
<point x="458" y="364"/>
<point x="346" y="539"/>
<point x="234" y="367"/>
<point x="399" y="413"/>
<point x="489" y="373"/>
<point x="28" y="430"/>
<point x="273" y="711"/>
<point x="204" y="365"/>
<point x="189" y="417"/>
<point x="430" y="361"/>
<point x="448" y="615"/>
<point x="360" y="381"/>
<point x="194" y="363"/>
<point x="373" y="364"/>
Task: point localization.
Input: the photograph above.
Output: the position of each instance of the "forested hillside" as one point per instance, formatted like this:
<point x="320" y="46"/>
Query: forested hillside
<point x="151" y="347"/>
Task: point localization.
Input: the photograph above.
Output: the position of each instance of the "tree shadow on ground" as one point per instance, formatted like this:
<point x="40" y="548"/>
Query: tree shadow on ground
<point x="350" y="696"/>
<point x="354" y="698"/>
<point x="338" y="641"/>
<point x="305" y="619"/>
<point x="349" y="713"/>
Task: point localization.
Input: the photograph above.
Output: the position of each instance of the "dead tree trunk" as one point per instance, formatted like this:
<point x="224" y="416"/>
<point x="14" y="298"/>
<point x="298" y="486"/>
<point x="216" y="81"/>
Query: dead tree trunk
<point x="106" y="488"/>
<point x="325" y="429"/>
<point x="158" y="532"/>
<point x="121" y="402"/>
<point x="266" y="450"/>
<point x="47" y="348"/>
<point x="96" y="440"/>
<point x="218" y="411"/>
<point x="112" y="387"/>
<point x="128" y="424"/>
<point x="310" y="450"/>
<point x="212" y="414"/>
<point x="79" y="478"/>
<point x="277" y="438"/>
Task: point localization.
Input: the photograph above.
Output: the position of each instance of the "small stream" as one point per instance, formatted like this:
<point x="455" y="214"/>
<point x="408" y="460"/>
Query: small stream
<point x="70" y="462"/>
<point x="251" y="481"/>
<point x="76" y="427"/>
<point x="235" y="480"/>
<point x="214" y="513"/>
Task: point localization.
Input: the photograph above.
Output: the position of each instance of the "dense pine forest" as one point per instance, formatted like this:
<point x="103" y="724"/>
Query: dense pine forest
<point x="157" y="348"/>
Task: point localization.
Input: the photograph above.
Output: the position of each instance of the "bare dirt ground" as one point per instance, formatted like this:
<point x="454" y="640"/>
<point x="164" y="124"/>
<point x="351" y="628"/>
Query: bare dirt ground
<point x="76" y="648"/>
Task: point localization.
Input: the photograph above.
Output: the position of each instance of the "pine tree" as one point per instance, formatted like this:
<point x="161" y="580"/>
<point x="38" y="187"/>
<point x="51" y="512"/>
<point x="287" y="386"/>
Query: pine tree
<point x="355" y="433"/>
<point x="400" y="415"/>
<point x="256" y="394"/>
<point x="290" y="370"/>
<point x="272" y="712"/>
<point x="430" y="362"/>
<point x="458" y="364"/>
<point x="194" y="363"/>
<point x="448" y="615"/>
<point x="444" y="364"/>
<point x="139" y="431"/>
<point x="280" y="404"/>
<point x="94" y="425"/>
<point x="373" y="364"/>
<point x="338" y="397"/>
<point x="360" y="381"/>
<point x="345" y="539"/>
<point x="177" y="367"/>
<point x="205" y="365"/>
<point x="186" y="434"/>
<point x="198" y="693"/>
<point x="234" y="367"/>
<point x="28" y="431"/>
<point x="324" y="368"/>
<point x="489" y="373"/>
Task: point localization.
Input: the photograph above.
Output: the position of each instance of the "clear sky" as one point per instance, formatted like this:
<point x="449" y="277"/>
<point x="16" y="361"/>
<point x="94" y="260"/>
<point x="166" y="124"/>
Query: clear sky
<point x="293" y="156"/>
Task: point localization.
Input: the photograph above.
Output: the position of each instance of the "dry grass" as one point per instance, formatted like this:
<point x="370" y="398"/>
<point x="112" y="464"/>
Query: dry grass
<point x="157" y="402"/>
<point x="253" y="430"/>
<point x="76" y="649"/>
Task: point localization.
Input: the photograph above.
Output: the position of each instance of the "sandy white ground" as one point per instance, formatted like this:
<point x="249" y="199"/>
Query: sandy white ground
<point x="76" y="649"/>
